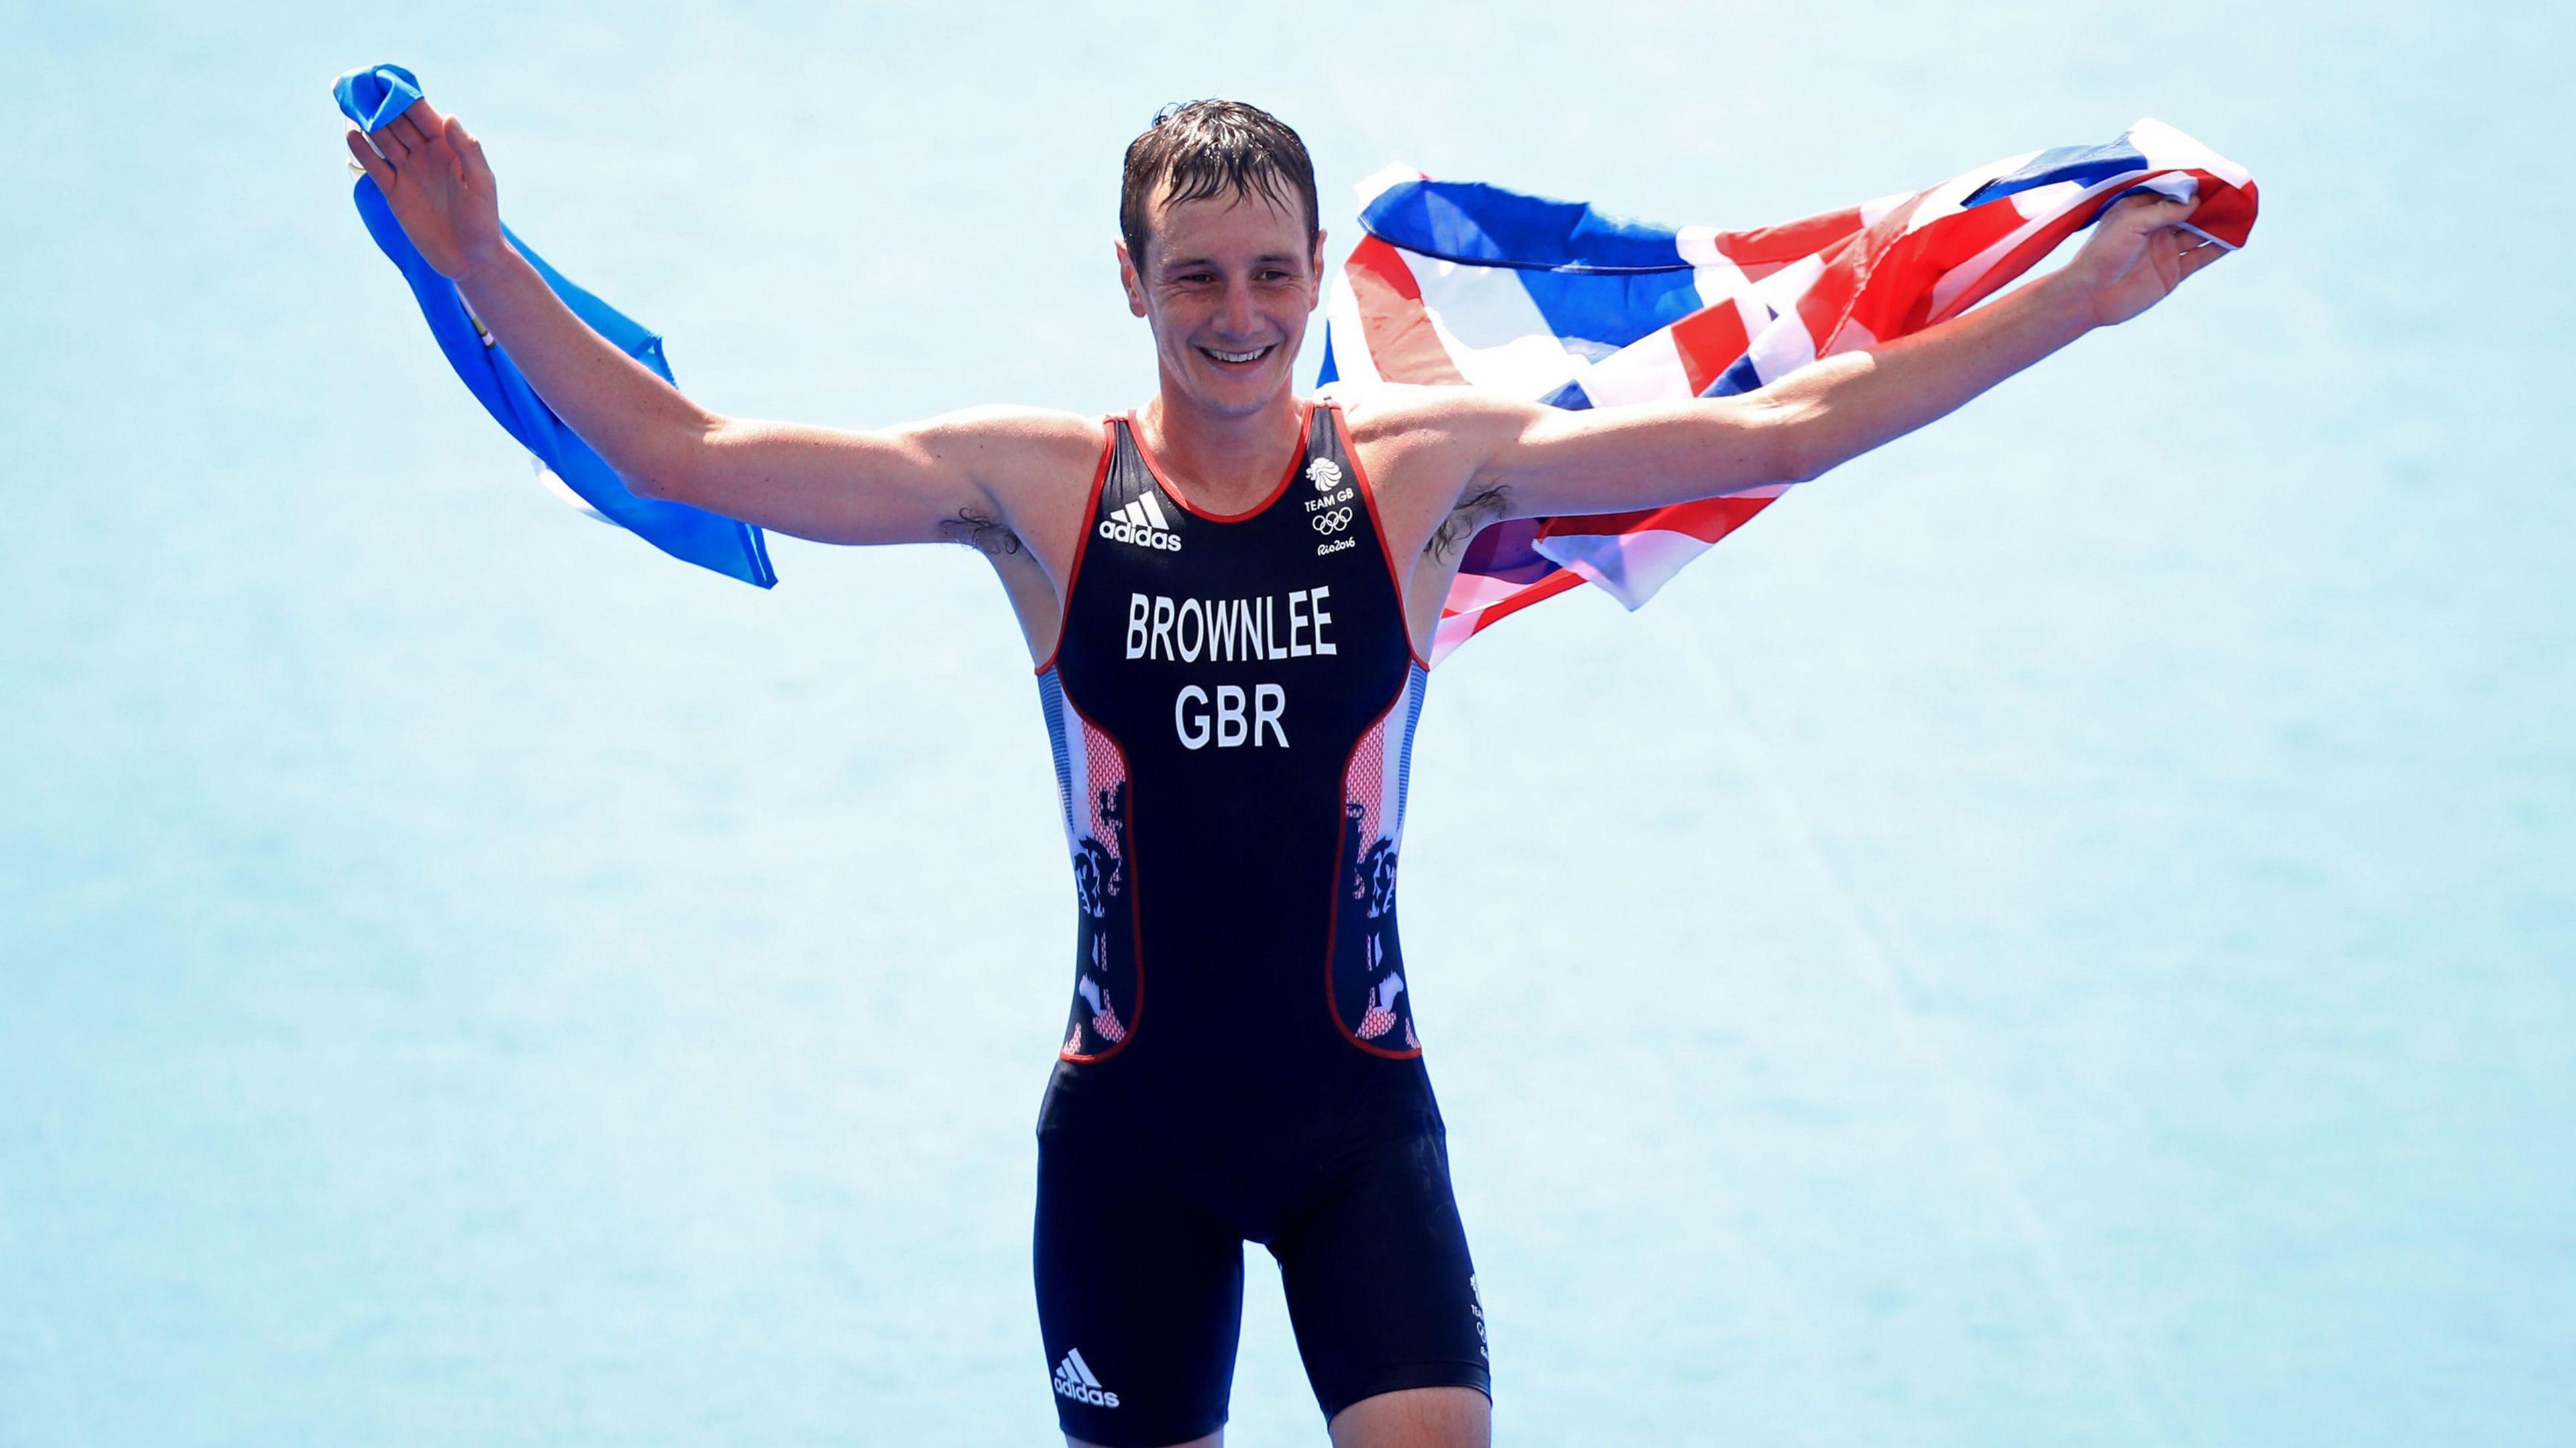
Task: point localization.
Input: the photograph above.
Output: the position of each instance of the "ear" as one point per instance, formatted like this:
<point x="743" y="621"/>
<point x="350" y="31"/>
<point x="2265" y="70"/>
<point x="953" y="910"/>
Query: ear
<point x="1127" y="278"/>
<point x="1318" y="262"/>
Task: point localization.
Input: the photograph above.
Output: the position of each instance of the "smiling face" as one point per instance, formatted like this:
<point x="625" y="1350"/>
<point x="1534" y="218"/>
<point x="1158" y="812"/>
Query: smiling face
<point x="1227" y="283"/>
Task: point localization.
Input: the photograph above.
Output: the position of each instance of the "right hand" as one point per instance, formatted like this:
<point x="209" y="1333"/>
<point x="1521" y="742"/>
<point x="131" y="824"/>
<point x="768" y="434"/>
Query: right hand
<point x="433" y="175"/>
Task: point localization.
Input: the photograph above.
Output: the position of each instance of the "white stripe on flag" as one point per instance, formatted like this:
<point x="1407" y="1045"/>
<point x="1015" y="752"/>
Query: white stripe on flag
<point x="547" y="478"/>
<point x="1494" y="334"/>
<point x="1530" y="367"/>
<point x="1852" y="338"/>
<point x="1453" y="630"/>
<point x="1956" y="282"/>
<point x="1482" y="306"/>
<point x="1646" y="370"/>
<point x="1382" y="180"/>
<point x="1943" y="200"/>
<point x="1781" y="348"/>
<point x="1630" y="567"/>
<point x="1717" y="278"/>
<point x="1351" y="359"/>
<point x="1476" y="590"/>
<point x="2164" y="146"/>
<point x="1878" y="206"/>
<point x="2042" y="201"/>
<point x="1780" y="290"/>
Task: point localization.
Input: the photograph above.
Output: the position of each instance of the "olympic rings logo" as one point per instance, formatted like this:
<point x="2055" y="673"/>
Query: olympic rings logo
<point x="1332" y="522"/>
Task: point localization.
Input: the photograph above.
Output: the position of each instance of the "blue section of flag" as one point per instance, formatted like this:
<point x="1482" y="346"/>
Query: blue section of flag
<point x="1594" y="277"/>
<point x="1740" y="377"/>
<point x="2083" y="164"/>
<point x="1467" y="221"/>
<point x="1571" y="397"/>
<point x="1613" y="309"/>
<point x="1503" y="551"/>
<point x="372" y="95"/>
<point x="693" y="535"/>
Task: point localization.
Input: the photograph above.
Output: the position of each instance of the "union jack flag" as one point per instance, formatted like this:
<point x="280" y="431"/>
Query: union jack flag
<point x="1558" y="302"/>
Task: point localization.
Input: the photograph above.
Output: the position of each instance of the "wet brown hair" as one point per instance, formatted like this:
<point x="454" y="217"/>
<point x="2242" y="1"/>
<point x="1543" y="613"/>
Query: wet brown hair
<point x="1213" y="148"/>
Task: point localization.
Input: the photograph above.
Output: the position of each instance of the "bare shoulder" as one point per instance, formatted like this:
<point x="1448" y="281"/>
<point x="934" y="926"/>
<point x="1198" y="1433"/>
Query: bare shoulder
<point x="1427" y="448"/>
<point x="1023" y="471"/>
<point x="1401" y="412"/>
<point x="1003" y="444"/>
<point x="1436" y="440"/>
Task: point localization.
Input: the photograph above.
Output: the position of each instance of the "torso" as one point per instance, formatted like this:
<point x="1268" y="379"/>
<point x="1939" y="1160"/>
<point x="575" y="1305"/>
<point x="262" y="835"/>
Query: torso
<point x="1413" y="489"/>
<point x="1231" y="700"/>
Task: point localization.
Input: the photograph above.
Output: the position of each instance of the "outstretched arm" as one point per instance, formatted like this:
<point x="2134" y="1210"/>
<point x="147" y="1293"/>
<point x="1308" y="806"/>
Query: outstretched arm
<point x="1529" y="460"/>
<point x="1842" y="406"/>
<point x="950" y="478"/>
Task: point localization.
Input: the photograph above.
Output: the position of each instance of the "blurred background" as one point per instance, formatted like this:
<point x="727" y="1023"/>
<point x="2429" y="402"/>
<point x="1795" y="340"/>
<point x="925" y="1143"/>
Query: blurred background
<point x="2059" y="933"/>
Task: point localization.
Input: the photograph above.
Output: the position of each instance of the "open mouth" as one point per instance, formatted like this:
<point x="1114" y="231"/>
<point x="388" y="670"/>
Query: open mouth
<point x="1237" y="361"/>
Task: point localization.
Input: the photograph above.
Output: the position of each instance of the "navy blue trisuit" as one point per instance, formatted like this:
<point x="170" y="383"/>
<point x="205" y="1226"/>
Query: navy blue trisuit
<point x="1232" y="706"/>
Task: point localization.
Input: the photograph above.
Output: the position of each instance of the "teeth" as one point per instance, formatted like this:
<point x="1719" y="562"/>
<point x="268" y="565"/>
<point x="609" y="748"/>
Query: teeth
<point x="1234" y="356"/>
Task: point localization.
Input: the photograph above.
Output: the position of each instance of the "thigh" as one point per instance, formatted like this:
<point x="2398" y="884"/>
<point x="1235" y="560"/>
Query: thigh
<point x="1140" y="1299"/>
<point x="1379" y="1285"/>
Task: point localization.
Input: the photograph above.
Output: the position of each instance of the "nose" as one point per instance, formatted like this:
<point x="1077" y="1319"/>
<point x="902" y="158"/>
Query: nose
<point x="1239" y="317"/>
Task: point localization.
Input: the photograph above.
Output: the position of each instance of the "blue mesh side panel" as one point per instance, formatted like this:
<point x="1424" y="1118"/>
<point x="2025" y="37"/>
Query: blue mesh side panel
<point x="1414" y="689"/>
<point x="1051" y="698"/>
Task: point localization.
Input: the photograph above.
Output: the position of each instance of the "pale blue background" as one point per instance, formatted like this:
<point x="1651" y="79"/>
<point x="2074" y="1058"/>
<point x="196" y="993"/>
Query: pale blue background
<point x="2058" y="934"/>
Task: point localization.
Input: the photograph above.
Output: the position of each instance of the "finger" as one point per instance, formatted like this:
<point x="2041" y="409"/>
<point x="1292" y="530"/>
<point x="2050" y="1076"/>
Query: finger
<point x="389" y="144"/>
<point x="2155" y="208"/>
<point x="2134" y="217"/>
<point x="470" y="151"/>
<point x="413" y="134"/>
<point x="377" y="167"/>
<point x="2201" y="256"/>
<point x="420" y="121"/>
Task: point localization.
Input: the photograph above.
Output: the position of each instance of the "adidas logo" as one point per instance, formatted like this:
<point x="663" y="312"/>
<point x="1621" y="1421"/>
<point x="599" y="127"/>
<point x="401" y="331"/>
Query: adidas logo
<point x="1325" y="474"/>
<point x="1143" y="524"/>
<point x="1073" y="1379"/>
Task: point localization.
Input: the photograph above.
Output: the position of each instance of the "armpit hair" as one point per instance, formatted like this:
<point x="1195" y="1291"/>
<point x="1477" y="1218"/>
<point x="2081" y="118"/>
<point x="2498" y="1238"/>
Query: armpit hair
<point x="983" y="534"/>
<point x="1465" y="521"/>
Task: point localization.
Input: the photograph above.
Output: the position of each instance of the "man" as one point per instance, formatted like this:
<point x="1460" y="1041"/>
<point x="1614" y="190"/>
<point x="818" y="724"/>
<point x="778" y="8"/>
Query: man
<point x="1228" y="594"/>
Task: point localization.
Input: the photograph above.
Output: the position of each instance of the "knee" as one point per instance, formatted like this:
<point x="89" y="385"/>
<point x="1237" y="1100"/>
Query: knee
<point x="1437" y="1417"/>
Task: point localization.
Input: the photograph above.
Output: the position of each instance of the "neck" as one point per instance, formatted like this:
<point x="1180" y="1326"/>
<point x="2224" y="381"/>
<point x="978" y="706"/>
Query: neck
<point x="1226" y="463"/>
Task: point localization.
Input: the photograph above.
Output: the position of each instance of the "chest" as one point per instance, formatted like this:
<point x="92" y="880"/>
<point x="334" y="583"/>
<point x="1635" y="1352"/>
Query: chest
<point x="1279" y="629"/>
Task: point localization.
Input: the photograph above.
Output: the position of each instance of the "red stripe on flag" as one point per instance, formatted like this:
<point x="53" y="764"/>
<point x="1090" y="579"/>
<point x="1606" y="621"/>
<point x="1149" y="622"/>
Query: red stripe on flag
<point x="1709" y="340"/>
<point x="1397" y="330"/>
<point x="1487" y="615"/>
<point x="1707" y="519"/>
<point x="1773" y="247"/>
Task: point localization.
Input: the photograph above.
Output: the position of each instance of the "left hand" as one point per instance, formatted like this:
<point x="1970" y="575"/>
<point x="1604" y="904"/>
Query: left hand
<point x="2136" y="256"/>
